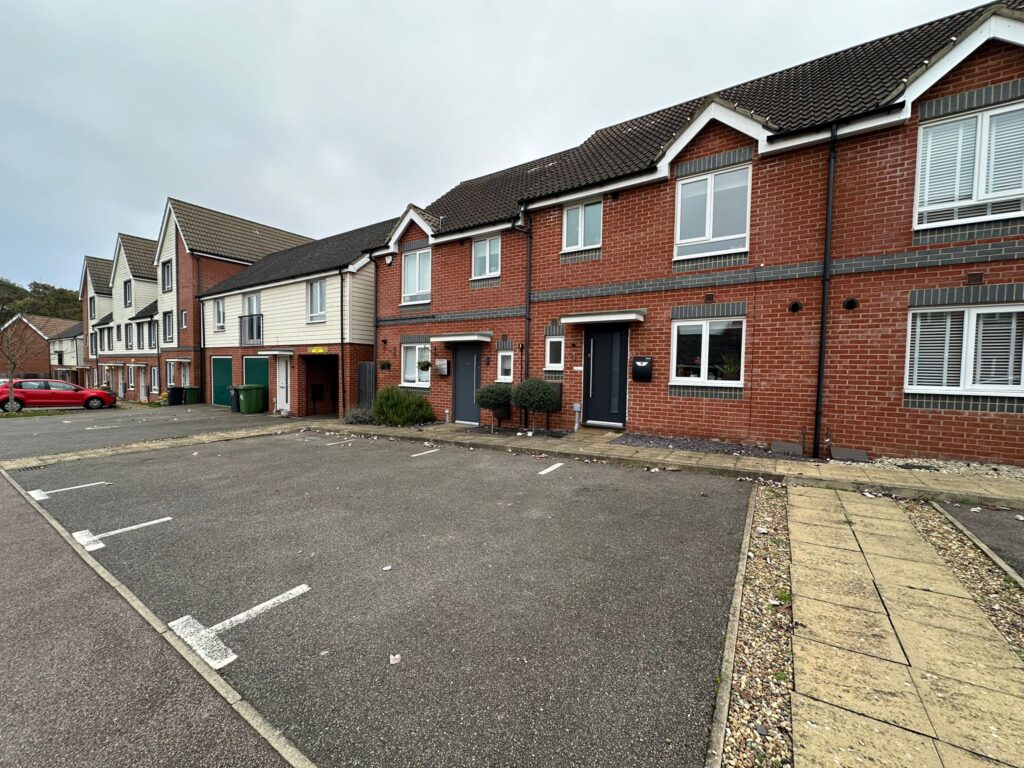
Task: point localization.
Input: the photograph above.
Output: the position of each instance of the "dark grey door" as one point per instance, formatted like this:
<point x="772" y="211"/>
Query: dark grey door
<point x="604" y="374"/>
<point x="467" y="382"/>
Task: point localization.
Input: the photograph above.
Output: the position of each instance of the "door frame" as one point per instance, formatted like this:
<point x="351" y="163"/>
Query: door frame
<point x="476" y="384"/>
<point x="286" y="379"/>
<point x="586" y="379"/>
<point x="213" y="381"/>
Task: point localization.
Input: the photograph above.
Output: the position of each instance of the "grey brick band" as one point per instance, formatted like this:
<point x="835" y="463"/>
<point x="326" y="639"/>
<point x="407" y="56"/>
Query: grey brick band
<point x="713" y="393"/>
<point x="976" y="403"/>
<point x="968" y="294"/>
<point x="964" y="102"/>
<point x="414" y="245"/>
<point x="504" y="344"/>
<point x="445" y="317"/>
<point x="554" y="329"/>
<point x="714" y="162"/>
<point x="576" y="257"/>
<point x="699" y="311"/>
<point x="490" y="282"/>
<point x="983" y="230"/>
<point x="711" y="262"/>
<point x="414" y="308"/>
<point x="415" y="338"/>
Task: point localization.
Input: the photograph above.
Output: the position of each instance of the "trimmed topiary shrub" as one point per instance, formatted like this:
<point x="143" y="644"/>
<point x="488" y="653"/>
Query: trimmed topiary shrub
<point x="395" y="407"/>
<point x="535" y="395"/>
<point x="497" y="398"/>
<point x="360" y="416"/>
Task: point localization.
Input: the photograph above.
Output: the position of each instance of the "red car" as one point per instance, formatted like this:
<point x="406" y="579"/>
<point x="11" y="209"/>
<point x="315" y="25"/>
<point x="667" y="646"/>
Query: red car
<point x="52" y="393"/>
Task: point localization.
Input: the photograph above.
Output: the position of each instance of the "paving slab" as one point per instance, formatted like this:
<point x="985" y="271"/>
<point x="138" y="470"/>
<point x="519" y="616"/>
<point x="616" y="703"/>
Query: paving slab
<point x="890" y="526"/>
<point x="864" y="684"/>
<point x="903" y="547"/>
<point x="974" y="718"/>
<point x="825" y="736"/>
<point x="828" y="557"/>
<point x="955" y="757"/>
<point x="849" y="628"/>
<point x="836" y="583"/>
<point x="910" y="573"/>
<point x="813" y="492"/>
<point x="813" y="515"/>
<point x="840" y="537"/>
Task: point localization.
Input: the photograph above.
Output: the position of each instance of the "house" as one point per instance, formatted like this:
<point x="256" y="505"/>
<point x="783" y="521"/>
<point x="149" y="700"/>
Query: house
<point x="299" y="321"/>
<point x="25" y="344"/>
<point x="66" y="361"/>
<point x="197" y="249"/>
<point x="96" y="296"/>
<point x="828" y="257"/>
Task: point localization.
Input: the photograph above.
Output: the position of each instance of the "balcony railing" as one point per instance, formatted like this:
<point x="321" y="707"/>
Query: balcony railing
<point x="251" y="334"/>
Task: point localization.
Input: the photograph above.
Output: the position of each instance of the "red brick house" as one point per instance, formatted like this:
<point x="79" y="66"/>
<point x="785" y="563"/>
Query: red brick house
<point x="25" y="344"/>
<point x="828" y="256"/>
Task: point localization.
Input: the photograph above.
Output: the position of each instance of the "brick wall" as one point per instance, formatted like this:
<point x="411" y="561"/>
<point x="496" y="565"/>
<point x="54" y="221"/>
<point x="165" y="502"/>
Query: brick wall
<point x="30" y="351"/>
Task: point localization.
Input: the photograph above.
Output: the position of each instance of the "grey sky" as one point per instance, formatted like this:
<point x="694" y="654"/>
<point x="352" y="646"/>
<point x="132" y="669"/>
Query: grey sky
<point x="321" y="116"/>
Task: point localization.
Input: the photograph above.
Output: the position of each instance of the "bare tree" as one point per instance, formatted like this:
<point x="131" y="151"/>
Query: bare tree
<point x="16" y="340"/>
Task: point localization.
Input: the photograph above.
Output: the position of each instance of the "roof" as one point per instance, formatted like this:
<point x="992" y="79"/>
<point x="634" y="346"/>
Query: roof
<point x="70" y="333"/>
<point x="105" y="320"/>
<point x="50" y="327"/>
<point x="138" y="252"/>
<point x="147" y="311"/>
<point x="317" y="256"/>
<point x="829" y="89"/>
<point x="220" y="234"/>
<point x="99" y="271"/>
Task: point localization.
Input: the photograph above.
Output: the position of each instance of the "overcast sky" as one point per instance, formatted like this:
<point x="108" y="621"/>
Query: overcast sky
<point x="321" y="116"/>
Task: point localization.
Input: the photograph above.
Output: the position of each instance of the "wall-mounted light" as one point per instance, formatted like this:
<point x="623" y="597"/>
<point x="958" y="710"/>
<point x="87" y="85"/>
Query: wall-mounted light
<point x="388" y="259"/>
<point x="709" y="298"/>
<point x="851" y="304"/>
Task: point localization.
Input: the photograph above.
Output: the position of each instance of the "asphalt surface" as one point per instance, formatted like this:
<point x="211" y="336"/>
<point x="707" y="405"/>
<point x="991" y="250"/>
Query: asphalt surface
<point x="998" y="528"/>
<point x="570" y="619"/>
<point x="78" y="430"/>
<point x="87" y="682"/>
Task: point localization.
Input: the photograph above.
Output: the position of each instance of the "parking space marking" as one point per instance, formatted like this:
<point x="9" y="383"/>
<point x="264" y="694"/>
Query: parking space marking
<point x="342" y="442"/>
<point x="204" y="640"/>
<point x="40" y="495"/>
<point x="111" y="426"/>
<point x="92" y="542"/>
<point x="424" y="453"/>
<point x="552" y="468"/>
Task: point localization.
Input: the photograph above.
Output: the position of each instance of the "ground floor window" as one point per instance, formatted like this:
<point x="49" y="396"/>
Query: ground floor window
<point x="170" y="374"/>
<point x="413" y="374"/>
<point x="505" y="365"/>
<point x="708" y="352"/>
<point x="553" y="353"/>
<point x="154" y="379"/>
<point x="970" y="350"/>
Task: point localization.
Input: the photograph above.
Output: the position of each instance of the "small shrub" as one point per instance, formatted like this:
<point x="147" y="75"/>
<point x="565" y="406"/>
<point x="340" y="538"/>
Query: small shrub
<point x="494" y="397"/>
<point x="535" y="395"/>
<point x="360" y="416"/>
<point x="395" y="407"/>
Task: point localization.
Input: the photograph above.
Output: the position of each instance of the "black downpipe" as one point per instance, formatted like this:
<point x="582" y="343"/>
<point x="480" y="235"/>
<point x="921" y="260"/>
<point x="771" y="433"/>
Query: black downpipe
<point x="826" y="280"/>
<point x="341" y="348"/>
<point x="376" y="266"/>
<point x="526" y="229"/>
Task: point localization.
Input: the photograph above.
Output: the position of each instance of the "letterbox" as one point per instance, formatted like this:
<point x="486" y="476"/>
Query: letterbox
<point x="642" y="368"/>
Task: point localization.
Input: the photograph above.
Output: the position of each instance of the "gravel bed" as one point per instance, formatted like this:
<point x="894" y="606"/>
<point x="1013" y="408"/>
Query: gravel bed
<point x="944" y="466"/>
<point x="758" y="731"/>
<point x="702" y="444"/>
<point x="998" y="595"/>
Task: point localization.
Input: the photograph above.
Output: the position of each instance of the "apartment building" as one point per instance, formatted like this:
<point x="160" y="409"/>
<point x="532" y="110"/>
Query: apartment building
<point x="96" y="296"/>
<point x="825" y="258"/>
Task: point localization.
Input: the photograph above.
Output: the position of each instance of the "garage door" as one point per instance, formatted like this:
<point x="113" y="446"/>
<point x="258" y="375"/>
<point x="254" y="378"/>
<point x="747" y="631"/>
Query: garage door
<point x="221" y="380"/>
<point x="257" y="371"/>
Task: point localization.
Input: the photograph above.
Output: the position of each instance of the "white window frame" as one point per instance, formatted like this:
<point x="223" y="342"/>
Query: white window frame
<point x="967" y="353"/>
<point x="565" y="215"/>
<point x="704" y="381"/>
<point x="128" y="336"/>
<point x="126" y="288"/>
<point x="170" y="374"/>
<point x="154" y="334"/>
<point x="548" y="365"/>
<point x="709" y="215"/>
<point x="184" y="318"/>
<point x="168" y="327"/>
<point x="131" y="377"/>
<point x="93" y="342"/>
<point x="92" y="307"/>
<point x="312" y="316"/>
<point x="983" y="118"/>
<point x="417" y="380"/>
<point x="167" y="276"/>
<point x="487" y="258"/>
<point x="430" y="277"/>
<point x="511" y="366"/>
<point x="219" y="315"/>
<point x="154" y="379"/>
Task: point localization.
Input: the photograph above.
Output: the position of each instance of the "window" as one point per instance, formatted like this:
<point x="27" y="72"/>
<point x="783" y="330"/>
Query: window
<point x="127" y="335"/>
<point x="118" y="329"/>
<point x="170" y="374"/>
<point x="92" y="307"/>
<point x="154" y="379"/>
<point x="416" y="277"/>
<point x="581" y="226"/>
<point x="712" y="213"/>
<point x="412" y="356"/>
<point x="970" y="351"/>
<point x="63" y="386"/>
<point x="168" y="327"/>
<point x="140" y="335"/>
<point x="708" y="352"/>
<point x="92" y="343"/>
<point x="487" y="257"/>
<point x="218" y="314"/>
<point x="60" y="356"/>
<point x="131" y="377"/>
<point x="505" y="365"/>
<point x="317" y="299"/>
<point x="971" y="168"/>
<point x="167" y="276"/>
<point x="127" y="287"/>
<point x="152" y="333"/>
<point x="554" y="347"/>
<point x="30" y="385"/>
<point x="184" y="318"/>
<point x="103" y="339"/>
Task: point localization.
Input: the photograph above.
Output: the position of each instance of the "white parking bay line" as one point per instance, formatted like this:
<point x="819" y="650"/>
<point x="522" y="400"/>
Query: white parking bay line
<point x="112" y="426"/>
<point x="40" y="495"/>
<point x="424" y="453"/>
<point x="204" y="640"/>
<point x="340" y="442"/>
<point x="92" y="541"/>
<point x="552" y="468"/>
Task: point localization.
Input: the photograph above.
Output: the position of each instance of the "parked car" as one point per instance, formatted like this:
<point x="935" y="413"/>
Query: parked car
<point x="52" y="393"/>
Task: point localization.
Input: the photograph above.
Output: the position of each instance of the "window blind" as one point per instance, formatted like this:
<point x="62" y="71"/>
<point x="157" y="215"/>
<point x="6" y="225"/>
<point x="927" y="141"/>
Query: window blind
<point x="936" y="349"/>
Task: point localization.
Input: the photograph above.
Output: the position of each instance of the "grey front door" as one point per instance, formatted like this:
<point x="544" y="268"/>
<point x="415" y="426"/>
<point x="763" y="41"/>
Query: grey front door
<point x="466" y="373"/>
<point x="604" y="374"/>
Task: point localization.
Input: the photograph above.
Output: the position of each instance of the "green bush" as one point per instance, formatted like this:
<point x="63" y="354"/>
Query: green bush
<point x="535" y="395"/>
<point x="397" y="408"/>
<point x="495" y="397"/>
<point x="360" y="416"/>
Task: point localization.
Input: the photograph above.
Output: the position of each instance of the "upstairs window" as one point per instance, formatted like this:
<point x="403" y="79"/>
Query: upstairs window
<point x="92" y="342"/>
<point x="416" y="277"/>
<point x="967" y="351"/>
<point x="713" y="213"/>
<point x="140" y="335"/>
<point x="971" y="168"/>
<point x="317" y="300"/>
<point x="152" y="334"/>
<point x="167" y="276"/>
<point x="168" y="321"/>
<point x="127" y="289"/>
<point x="118" y="329"/>
<point x="127" y="335"/>
<point x="218" y="314"/>
<point x="184" y="318"/>
<point x="487" y="257"/>
<point x="92" y="307"/>
<point x="581" y="226"/>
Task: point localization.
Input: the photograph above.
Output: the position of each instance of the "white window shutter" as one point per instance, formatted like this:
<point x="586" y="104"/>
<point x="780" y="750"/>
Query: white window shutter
<point x="936" y="349"/>
<point x="997" y="348"/>
<point x="946" y="173"/>
<point x="1005" y="153"/>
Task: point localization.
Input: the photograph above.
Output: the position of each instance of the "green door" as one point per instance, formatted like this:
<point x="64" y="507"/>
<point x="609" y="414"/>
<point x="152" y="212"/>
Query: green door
<point x="221" y="380"/>
<point x="256" y="370"/>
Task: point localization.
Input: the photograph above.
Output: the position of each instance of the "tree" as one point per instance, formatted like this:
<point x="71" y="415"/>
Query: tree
<point x="38" y="299"/>
<point x="16" y="340"/>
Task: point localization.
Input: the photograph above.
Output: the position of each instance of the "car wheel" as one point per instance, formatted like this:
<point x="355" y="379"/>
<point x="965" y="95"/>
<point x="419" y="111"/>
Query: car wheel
<point x="93" y="403"/>
<point x="13" y="406"/>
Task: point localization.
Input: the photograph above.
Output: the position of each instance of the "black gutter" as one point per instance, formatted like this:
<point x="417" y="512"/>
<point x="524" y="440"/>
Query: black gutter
<point x="894" y="106"/>
<point x="826" y="279"/>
